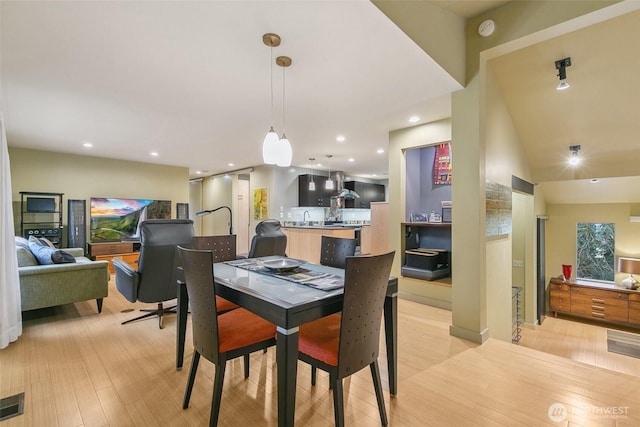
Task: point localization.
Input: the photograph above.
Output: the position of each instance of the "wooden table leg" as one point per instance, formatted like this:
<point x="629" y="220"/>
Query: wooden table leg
<point x="182" y="310"/>
<point x="287" y="361"/>
<point x="391" y="335"/>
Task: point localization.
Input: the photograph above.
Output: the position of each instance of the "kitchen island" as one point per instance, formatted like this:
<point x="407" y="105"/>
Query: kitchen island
<point x="304" y="241"/>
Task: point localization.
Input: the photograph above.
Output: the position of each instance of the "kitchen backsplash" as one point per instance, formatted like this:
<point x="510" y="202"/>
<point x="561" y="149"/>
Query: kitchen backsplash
<point x="318" y="216"/>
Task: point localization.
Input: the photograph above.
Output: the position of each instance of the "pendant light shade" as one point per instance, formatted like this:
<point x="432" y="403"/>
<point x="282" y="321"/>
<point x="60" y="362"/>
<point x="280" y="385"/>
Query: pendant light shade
<point x="283" y="152"/>
<point x="270" y="147"/>
<point x="312" y="184"/>
<point x="328" y="185"/>
<point x="271" y="141"/>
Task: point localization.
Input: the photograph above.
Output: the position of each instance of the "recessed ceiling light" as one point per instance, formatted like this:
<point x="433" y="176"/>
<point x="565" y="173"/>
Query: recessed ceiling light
<point x="340" y="138"/>
<point x="594" y="180"/>
<point x="198" y="172"/>
<point x="154" y="154"/>
<point x="413" y="119"/>
<point x="319" y="165"/>
<point x="87" y="144"/>
<point x="230" y="164"/>
<point x="380" y="151"/>
<point x="373" y="174"/>
<point x="351" y="159"/>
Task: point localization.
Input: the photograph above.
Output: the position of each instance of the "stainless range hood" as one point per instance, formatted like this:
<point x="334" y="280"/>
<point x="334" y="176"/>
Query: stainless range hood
<point x="341" y="192"/>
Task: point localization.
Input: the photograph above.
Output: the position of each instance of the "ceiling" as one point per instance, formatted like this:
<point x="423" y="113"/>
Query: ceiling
<point x="600" y="111"/>
<point x="191" y="81"/>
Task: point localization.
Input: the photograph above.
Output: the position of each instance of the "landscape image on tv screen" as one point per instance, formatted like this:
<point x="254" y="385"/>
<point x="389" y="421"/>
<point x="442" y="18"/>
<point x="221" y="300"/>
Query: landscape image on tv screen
<point x="114" y="219"/>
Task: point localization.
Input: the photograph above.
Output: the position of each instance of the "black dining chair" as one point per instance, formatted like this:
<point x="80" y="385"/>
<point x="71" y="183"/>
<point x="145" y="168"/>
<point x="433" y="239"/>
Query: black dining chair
<point x="268" y="240"/>
<point x="218" y="337"/>
<point x="335" y="250"/>
<point x="344" y="344"/>
<point x="223" y="249"/>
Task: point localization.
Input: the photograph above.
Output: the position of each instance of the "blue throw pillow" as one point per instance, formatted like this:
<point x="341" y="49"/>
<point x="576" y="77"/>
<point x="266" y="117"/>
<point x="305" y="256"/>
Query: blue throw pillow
<point x="21" y="241"/>
<point x="42" y="253"/>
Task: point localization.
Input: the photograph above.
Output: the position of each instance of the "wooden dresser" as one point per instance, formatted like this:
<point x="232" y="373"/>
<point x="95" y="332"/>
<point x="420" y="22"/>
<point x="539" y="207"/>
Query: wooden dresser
<point x="604" y="302"/>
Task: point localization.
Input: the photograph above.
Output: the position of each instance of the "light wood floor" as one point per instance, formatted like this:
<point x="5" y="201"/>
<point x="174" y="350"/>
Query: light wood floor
<point x="78" y="368"/>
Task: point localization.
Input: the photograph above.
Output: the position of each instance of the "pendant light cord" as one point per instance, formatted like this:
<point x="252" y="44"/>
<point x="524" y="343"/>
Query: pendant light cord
<point x="271" y="80"/>
<point x="283" y="98"/>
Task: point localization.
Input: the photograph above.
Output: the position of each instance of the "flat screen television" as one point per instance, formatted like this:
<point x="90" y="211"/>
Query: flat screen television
<point x="116" y="219"/>
<point x="41" y="204"/>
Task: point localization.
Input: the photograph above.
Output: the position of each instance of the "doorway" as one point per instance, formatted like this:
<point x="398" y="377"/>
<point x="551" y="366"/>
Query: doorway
<point x="243" y="208"/>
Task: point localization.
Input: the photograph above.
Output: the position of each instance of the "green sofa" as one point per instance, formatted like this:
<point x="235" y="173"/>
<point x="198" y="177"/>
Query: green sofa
<point x="50" y="285"/>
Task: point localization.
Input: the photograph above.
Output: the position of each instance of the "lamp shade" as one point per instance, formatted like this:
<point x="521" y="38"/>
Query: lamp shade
<point x="283" y="152"/>
<point x="270" y="147"/>
<point x="328" y="184"/>
<point x="629" y="265"/>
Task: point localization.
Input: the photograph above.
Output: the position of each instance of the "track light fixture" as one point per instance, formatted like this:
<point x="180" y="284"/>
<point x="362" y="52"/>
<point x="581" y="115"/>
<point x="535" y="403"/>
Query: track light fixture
<point x="561" y="66"/>
<point x="574" y="159"/>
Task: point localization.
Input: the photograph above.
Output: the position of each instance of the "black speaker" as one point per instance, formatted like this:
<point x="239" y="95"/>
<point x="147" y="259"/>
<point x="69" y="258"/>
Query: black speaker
<point x="182" y="210"/>
<point x="77" y="224"/>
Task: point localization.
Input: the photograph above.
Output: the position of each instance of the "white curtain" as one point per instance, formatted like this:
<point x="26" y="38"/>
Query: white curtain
<point x="10" y="313"/>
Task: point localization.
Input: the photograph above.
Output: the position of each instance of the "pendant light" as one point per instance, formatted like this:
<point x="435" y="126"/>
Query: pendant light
<point x="271" y="141"/>
<point x="328" y="185"/>
<point x="284" y="153"/>
<point x="312" y="184"/>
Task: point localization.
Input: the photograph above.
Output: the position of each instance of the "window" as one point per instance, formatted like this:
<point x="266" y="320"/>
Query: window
<point x="595" y="247"/>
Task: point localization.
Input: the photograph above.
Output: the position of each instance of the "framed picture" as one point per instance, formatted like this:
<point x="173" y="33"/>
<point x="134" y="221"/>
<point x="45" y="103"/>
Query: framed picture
<point x="260" y="203"/>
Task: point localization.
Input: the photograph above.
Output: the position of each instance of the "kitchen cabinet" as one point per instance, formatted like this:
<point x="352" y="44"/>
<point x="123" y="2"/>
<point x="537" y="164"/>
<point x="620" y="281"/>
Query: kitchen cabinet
<point x="305" y="242"/>
<point x="379" y="227"/>
<point x="604" y="302"/>
<point x="318" y="197"/>
<point x="365" y="240"/>
<point x="368" y="193"/>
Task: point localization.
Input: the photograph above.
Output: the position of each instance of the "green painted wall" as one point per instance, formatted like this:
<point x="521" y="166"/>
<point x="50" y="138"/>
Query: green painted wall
<point x="83" y="177"/>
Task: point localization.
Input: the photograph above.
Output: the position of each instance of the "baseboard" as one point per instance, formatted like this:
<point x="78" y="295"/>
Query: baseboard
<point x="445" y="305"/>
<point x="469" y="335"/>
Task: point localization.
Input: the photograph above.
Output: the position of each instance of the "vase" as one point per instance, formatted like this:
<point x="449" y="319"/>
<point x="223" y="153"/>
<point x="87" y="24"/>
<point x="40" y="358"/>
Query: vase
<point x="566" y="272"/>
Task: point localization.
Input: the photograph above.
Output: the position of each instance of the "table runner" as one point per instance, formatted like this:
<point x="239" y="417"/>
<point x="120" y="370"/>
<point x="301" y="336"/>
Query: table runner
<point x="301" y="275"/>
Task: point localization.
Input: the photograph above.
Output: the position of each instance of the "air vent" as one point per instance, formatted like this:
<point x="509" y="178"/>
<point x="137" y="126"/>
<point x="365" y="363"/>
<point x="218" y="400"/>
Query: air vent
<point x="11" y="406"/>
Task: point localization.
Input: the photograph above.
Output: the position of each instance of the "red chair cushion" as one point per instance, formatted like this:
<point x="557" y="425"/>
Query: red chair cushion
<point x="240" y="328"/>
<point x="320" y="339"/>
<point x="223" y="305"/>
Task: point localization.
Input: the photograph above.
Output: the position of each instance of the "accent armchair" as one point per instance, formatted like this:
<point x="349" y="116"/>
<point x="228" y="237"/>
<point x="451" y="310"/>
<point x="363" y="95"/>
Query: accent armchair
<point x="155" y="279"/>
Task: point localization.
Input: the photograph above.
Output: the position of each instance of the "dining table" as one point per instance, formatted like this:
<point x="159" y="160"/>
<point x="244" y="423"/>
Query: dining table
<point x="288" y="300"/>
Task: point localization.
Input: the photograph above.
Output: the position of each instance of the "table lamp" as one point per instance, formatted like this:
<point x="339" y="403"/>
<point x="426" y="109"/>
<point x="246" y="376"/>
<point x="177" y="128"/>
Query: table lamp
<point x="631" y="266"/>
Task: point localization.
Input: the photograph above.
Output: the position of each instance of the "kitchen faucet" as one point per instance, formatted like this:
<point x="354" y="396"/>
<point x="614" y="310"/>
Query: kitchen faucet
<point x="304" y="215"/>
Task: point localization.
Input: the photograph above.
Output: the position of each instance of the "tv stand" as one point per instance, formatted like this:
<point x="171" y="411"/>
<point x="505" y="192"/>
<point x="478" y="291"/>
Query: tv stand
<point x="127" y="250"/>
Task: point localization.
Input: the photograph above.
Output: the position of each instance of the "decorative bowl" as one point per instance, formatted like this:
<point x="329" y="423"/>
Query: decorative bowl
<point x="283" y="264"/>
